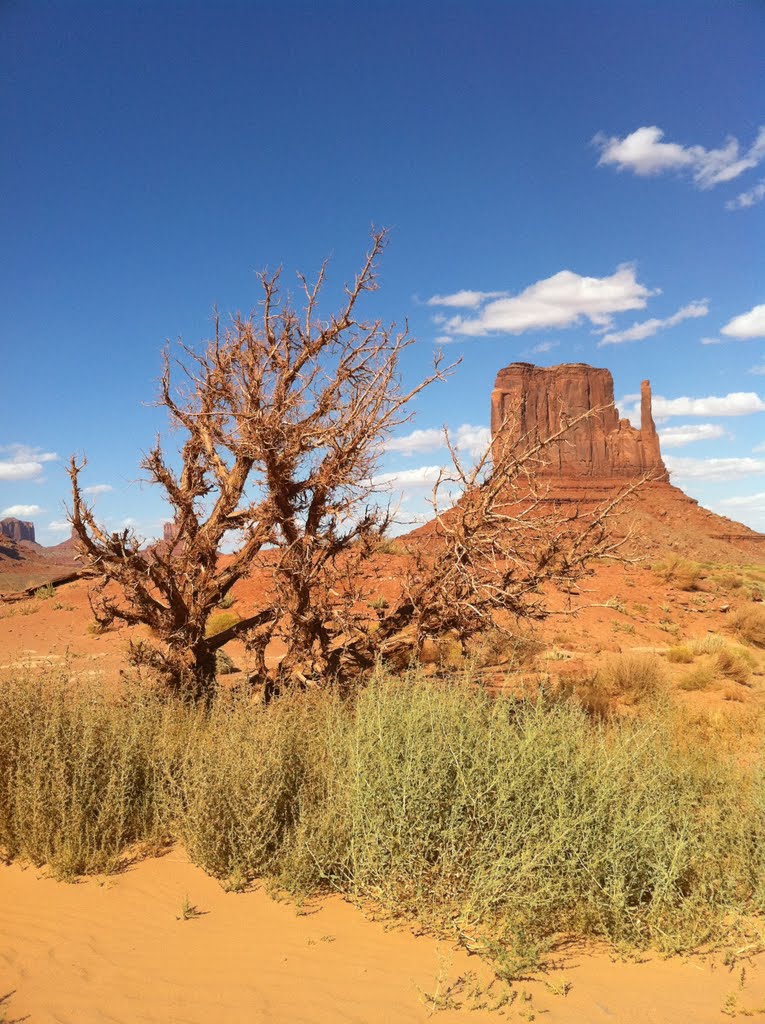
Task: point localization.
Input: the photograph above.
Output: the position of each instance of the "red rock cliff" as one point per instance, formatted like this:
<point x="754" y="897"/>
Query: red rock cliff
<point x="533" y="402"/>
<point x="17" y="529"/>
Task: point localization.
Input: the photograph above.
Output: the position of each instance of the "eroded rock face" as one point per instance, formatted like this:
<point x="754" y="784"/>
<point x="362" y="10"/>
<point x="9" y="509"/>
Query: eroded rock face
<point x="17" y="529"/>
<point x="531" y="403"/>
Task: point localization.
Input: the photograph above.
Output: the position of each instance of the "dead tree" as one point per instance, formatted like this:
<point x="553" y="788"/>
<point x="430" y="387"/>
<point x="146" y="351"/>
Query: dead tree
<point x="285" y="415"/>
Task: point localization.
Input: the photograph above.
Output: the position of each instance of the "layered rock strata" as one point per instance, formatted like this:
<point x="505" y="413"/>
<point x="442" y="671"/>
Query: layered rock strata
<point x="531" y="403"/>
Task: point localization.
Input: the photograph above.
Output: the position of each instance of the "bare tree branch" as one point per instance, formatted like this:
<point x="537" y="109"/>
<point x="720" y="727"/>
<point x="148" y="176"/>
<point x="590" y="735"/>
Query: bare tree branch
<point x="285" y="415"/>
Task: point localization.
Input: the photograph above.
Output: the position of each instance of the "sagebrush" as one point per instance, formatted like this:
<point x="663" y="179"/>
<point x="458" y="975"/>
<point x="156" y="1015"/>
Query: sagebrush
<point x="506" y="821"/>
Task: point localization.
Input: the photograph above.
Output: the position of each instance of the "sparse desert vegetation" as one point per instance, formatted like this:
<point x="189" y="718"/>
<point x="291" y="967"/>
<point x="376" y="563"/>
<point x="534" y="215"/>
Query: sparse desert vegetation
<point x="683" y="573"/>
<point x="504" y="822"/>
<point x="749" y="624"/>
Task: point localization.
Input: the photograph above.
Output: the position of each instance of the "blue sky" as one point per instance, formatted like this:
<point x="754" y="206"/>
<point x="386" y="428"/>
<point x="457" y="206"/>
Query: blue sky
<point x="564" y="182"/>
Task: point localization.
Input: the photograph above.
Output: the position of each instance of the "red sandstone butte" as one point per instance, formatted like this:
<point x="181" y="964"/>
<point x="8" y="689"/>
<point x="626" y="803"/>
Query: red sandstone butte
<point x="531" y="403"/>
<point x="17" y="529"/>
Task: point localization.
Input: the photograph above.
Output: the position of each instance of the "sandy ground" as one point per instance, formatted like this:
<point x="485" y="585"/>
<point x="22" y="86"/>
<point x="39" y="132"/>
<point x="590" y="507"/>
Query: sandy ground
<point x="116" y="951"/>
<point x="630" y="608"/>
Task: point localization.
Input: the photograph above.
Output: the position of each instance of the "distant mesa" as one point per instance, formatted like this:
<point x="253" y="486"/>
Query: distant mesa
<point x="17" y="529"/>
<point x="532" y="403"/>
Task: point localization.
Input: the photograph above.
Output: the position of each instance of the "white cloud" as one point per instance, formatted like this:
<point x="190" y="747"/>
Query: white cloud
<point x="648" y="328"/>
<point x="465" y="299"/>
<point x="678" y="437"/>
<point x="416" y="442"/>
<point x="746" y="199"/>
<point x="562" y="300"/>
<point x="24" y="463"/>
<point x="738" y="403"/>
<point x="545" y="346"/>
<point x="21" y="510"/>
<point x="27" y="453"/>
<point x="643" y="153"/>
<point x="60" y="526"/>
<point x="750" y="508"/>
<point x="747" y="325"/>
<point x="20" y="470"/>
<point x="466" y="438"/>
<point x="97" y="489"/>
<point x="685" y="468"/>
<point x="745" y="501"/>
<point x="758" y="370"/>
<point x="713" y="341"/>
<point x="406" y="479"/>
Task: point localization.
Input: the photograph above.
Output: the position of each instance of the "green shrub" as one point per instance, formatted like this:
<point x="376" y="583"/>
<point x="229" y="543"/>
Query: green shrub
<point x="510" y="821"/>
<point x="219" y="621"/>
<point x="81" y="775"/>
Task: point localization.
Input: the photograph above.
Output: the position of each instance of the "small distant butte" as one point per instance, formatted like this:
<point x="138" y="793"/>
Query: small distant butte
<point x="17" y="529"/>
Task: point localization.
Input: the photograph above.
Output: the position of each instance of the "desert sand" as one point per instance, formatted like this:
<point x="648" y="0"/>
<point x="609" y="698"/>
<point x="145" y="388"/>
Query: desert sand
<point x="115" y="950"/>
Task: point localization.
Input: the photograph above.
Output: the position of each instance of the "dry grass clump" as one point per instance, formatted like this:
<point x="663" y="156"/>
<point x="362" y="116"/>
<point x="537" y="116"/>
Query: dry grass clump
<point x="680" y="655"/>
<point x="632" y="677"/>
<point x="733" y="693"/>
<point x="729" y="580"/>
<point x="735" y="663"/>
<point x="507" y="821"/>
<point x="682" y="573"/>
<point x="709" y="644"/>
<point x="700" y="677"/>
<point x="624" y="679"/>
<point x="720" y="659"/>
<point x="749" y="624"/>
